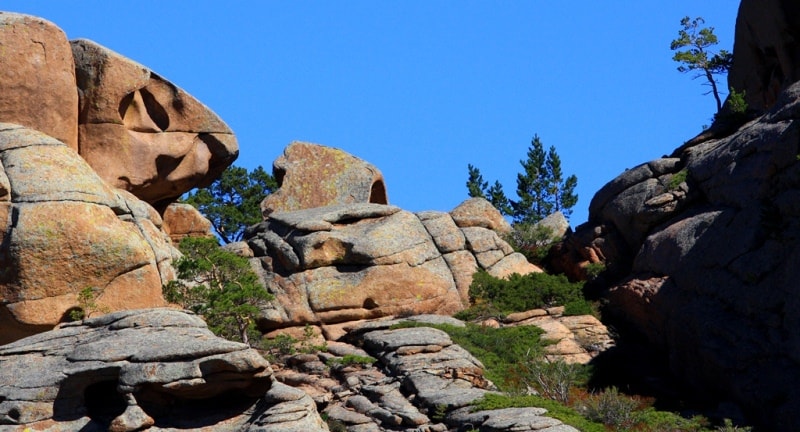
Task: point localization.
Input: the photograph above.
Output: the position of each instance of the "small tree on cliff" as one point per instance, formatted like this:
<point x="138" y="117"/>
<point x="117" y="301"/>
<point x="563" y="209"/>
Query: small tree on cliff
<point x="218" y="285"/>
<point x="693" y="51"/>
<point x="232" y="202"/>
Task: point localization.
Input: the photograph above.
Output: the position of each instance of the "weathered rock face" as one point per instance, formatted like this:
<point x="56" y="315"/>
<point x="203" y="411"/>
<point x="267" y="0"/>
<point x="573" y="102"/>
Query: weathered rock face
<point x="311" y="175"/>
<point x="183" y="220"/>
<point x="708" y="244"/>
<point x="767" y="57"/>
<point x="64" y="229"/>
<point x="350" y="262"/>
<point x="38" y="77"/>
<point x="142" y="133"/>
<point x="156" y="369"/>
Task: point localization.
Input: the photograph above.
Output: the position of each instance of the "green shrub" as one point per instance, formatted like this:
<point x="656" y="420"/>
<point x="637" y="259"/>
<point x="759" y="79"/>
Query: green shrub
<point x="579" y="307"/>
<point x="280" y="345"/>
<point x="553" y="380"/>
<point x="500" y="350"/>
<point x="611" y="408"/>
<point x="593" y="270"/>
<point x="521" y="293"/>
<point x="677" y="179"/>
<point x="651" y="420"/>
<point x="351" y="360"/>
<point x="532" y="240"/>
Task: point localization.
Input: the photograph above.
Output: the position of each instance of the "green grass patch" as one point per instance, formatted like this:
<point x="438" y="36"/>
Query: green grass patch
<point x="554" y="409"/>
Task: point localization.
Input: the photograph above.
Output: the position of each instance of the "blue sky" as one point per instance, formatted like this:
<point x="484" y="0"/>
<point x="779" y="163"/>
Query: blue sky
<point x="423" y="88"/>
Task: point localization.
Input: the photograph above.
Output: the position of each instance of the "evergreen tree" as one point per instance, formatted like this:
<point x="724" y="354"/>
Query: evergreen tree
<point x="233" y="201"/>
<point x="697" y="54"/>
<point x="218" y="285"/>
<point x="541" y="188"/>
<point x="561" y="191"/>
<point x="476" y="186"/>
<point x="498" y="198"/>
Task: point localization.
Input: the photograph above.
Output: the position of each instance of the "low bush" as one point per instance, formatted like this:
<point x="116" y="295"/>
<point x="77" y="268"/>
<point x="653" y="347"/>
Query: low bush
<point x="611" y="408"/>
<point x="554" y="409"/>
<point x="521" y="293"/>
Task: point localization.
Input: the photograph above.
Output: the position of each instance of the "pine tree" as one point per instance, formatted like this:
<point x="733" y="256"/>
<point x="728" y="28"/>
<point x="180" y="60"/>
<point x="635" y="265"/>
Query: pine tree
<point x="498" y="198"/>
<point x="233" y="201"/>
<point x="541" y="188"/>
<point x="698" y="56"/>
<point x="476" y="186"/>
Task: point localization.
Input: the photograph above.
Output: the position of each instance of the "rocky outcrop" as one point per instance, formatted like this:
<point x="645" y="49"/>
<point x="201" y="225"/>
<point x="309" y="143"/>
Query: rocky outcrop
<point x="155" y="369"/>
<point x="349" y="262"/>
<point x="38" y="77"/>
<point x="311" y="175"/>
<point x="61" y="237"/>
<point x="706" y="247"/>
<point x="767" y="58"/>
<point x="142" y="133"/>
<point x="419" y="381"/>
<point x="65" y="228"/>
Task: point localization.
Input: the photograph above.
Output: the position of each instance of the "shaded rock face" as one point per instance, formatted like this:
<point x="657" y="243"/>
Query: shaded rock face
<point x="155" y="369"/>
<point x="60" y="237"/>
<point x="767" y="54"/>
<point x="311" y="175"/>
<point x="707" y="245"/>
<point x="38" y="77"/>
<point x="349" y="262"/>
<point x="142" y="133"/>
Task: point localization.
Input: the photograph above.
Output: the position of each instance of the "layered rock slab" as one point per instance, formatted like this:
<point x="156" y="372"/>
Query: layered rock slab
<point x="61" y="237"/>
<point x="128" y="371"/>
<point x="349" y="262"/>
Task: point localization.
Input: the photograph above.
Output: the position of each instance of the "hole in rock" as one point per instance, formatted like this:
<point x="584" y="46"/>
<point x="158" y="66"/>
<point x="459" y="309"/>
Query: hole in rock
<point x="154" y="109"/>
<point x="103" y="402"/>
<point x="14" y="414"/>
<point x="192" y="410"/>
<point x="377" y="193"/>
<point x="369" y="303"/>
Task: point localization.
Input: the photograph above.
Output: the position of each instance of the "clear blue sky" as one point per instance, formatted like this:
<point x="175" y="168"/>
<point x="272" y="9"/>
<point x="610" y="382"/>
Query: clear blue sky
<point x="423" y="88"/>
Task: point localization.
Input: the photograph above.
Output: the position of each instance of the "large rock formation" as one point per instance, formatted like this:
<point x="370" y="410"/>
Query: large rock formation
<point x="155" y="369"/>
<point x="767" y="54"/>
<point x="142" y="133"/>
<point x="705" y="246"/>
<point x="63" y="230"/>
<point x="349" y="262"/>
<point x="63" y="227"/>
<point x="311" y="175"/>
<point x="38" y="77"/>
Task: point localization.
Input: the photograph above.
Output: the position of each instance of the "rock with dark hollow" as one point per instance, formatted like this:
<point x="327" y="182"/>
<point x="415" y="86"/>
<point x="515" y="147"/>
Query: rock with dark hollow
<point x="154" y="369"/>
<point x="141" y="132"/>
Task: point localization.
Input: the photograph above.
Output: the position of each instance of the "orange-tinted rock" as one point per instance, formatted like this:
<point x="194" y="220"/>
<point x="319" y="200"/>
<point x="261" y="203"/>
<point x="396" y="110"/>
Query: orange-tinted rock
<point x="142" y="133"/>
<point x="183" y="220"/>
<point x="67" y="235"/>
<point x="311" y="176"/>
<point x="477" y="212"/>
<point x="37" y="77"/>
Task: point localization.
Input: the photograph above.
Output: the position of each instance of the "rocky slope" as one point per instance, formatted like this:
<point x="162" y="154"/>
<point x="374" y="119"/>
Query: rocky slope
<point x="701" y="246"/>
<point x="160" y="369"/>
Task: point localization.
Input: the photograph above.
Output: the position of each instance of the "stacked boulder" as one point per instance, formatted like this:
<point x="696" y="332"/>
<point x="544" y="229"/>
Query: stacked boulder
<point x="93" y="147"/>
<point x="350" y="258"/>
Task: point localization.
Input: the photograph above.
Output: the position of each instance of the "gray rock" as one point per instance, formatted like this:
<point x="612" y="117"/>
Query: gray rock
<point x="119" y="371"/>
